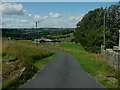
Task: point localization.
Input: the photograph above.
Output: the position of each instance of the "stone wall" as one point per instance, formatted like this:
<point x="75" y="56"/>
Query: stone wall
<point x="113" y="57"/>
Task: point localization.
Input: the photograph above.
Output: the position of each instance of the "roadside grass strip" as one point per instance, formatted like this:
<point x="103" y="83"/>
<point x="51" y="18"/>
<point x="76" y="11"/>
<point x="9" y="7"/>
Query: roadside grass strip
<point x="94" y="64"/>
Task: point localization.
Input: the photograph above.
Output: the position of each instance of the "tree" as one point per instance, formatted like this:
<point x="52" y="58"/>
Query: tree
<point x="89" y="31"/>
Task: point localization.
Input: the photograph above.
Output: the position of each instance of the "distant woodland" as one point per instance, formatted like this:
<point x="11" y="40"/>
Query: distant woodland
<point x="32" y="33"/>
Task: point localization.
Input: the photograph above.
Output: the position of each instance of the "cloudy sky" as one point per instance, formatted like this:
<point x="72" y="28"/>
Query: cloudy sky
<point x="49" y="14"/>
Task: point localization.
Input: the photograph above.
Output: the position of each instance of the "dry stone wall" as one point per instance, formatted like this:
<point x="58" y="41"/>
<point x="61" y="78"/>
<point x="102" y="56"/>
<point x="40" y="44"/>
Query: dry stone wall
<point x="113" y="57"/>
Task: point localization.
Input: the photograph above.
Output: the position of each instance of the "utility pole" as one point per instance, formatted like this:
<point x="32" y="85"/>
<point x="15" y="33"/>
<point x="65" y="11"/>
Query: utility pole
<point x="119" y="40"/>
<point x="104" y="30"/>
<point x="119" y="62"/>
<point x="36" y="23"/>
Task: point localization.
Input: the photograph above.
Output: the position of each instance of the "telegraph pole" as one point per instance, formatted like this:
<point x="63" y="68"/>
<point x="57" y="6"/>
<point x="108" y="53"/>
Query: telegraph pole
<point x="119" y="40"/>
<point x="36" y="23"/>
<point x="104" y="30"/>
<point x="119" y="60"/>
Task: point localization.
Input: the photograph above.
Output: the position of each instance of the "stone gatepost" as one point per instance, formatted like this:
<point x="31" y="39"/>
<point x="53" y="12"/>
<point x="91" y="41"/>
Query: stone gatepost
<point x="119" y="62"/>
<point x="119" y="40"/>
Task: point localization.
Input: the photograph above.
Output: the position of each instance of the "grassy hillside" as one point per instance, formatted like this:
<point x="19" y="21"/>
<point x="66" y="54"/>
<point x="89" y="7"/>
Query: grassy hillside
<point x="93" y="64"/>
<point x="21" y="56"/>
<point x="62" y="37"/>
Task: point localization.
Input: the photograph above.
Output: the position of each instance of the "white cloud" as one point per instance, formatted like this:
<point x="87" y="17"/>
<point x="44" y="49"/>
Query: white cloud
<point x="15" y="23"/>
<point x="29" y="14"/>
<point x="13" y="20"/>
<point x="51" y="14"/>
<point x="36" y="18"/>
<point x="24" y="10"/>
<point x="72" y="18"/>
<point x="40" y="18"/>
<point x="76" y="18"/>
<point x="11" y="9"/>
<point x="23" y="21"/>
<point x="55" y="15"/>
<point x="45" y="17"/>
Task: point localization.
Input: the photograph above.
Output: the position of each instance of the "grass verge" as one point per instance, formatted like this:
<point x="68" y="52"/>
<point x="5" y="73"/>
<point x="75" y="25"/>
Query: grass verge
<point x="93" y="64"/>
<point x="41" y="63"/>
<point x="19" y="55"/>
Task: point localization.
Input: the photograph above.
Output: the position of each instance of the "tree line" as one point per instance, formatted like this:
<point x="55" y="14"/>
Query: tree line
<point x="32" y="33"/>
<point x="90" y="30"/>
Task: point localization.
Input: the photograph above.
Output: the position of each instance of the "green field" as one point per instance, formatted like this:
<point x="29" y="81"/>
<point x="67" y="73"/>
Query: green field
<point x="94" y="64"/>
<point x="62" y="37"/>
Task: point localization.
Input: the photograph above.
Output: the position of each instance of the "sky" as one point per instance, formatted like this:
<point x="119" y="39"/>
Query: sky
<point x="60" y="0"/>
<point x="48" y="14"/>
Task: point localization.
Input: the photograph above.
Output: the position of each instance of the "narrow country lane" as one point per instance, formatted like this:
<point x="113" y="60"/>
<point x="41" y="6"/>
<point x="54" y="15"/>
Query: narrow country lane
<point x="63" y="72"/>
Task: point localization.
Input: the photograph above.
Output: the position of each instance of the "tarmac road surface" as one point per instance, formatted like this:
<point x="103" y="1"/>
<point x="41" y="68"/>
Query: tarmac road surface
<point x="63" y="72"/>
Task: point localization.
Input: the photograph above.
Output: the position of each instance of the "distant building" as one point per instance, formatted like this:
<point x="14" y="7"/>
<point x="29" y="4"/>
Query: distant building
<point x="9" y="38"/>
<point x="43" y="40"/>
